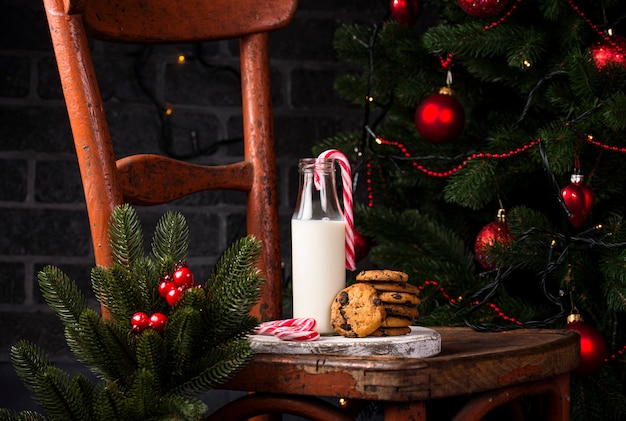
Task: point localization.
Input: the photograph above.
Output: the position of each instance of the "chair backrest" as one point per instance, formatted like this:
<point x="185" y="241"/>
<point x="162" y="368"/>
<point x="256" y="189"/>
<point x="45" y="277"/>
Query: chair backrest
<point x="141" y="179"/>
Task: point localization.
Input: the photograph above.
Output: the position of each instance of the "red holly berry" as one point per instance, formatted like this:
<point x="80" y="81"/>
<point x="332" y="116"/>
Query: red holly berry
<point x="140" y="321"/>
<point x="173" y="296"/>
<point x="183" y="277"/>
<point x="158" y="321"/>
<point x="166" y="286"/>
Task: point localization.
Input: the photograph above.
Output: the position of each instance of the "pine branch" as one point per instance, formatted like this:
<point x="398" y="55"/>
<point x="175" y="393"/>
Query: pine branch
<point x="217" y="366"/>
<point x="62" y="295"/>
<point x="9" y="415"/>
<point x="105" y="346"/>
<point x="171" y="239"/>
<point x="125" y="235"/>
<point x="234" y="288"/>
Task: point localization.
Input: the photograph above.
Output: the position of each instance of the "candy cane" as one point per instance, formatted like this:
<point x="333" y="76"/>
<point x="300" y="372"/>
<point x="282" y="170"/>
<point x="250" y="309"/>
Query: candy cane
<point x="297" y="324"/>
<point x="298" y="335"/>
<point x="346" y="179"/>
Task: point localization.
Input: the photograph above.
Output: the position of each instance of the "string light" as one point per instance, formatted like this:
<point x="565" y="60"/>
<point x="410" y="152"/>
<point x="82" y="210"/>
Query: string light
<point x="181" y="58"/>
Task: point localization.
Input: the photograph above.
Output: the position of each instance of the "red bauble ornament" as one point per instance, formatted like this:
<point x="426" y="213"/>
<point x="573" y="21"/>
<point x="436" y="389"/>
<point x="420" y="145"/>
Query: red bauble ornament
<point x="158" y="321"/>
<point x="482" y="8"/>
<point x="439" y="118"/>
<point x="593" y="348"/>
<point x="139" y="322"/>
<point x="610" y="50"/>
<point x="404" y="12"/>
<point x="183" y="277"/>
<point x="362" y="246"/>
<point x="492" y="233"/>
<point x="579" y="200"/>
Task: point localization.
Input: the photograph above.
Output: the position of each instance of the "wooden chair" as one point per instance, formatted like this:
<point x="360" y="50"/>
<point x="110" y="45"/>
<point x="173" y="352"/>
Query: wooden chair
<point x="152" y="179"/>
<point x="490" y="369"/>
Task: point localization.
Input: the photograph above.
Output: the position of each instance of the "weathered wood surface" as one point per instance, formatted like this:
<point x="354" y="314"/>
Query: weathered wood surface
<point x="469" y="362"/>
<point x="420" y="343"/>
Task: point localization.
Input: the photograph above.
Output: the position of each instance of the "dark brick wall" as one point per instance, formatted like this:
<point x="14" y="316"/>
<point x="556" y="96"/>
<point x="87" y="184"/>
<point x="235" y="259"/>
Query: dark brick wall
<point x="42" y="211"/>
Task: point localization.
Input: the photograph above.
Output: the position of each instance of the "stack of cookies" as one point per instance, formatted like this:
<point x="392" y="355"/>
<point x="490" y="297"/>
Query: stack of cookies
<point x="380" y="303"/>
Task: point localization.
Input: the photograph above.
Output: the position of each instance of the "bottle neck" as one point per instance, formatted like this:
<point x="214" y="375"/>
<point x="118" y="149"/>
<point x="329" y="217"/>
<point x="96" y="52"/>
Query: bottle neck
<point x="317" y="195"/>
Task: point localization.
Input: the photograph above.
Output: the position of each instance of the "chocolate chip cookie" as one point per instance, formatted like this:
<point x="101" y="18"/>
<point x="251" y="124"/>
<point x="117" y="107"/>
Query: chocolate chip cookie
<point x="357" y="311"/>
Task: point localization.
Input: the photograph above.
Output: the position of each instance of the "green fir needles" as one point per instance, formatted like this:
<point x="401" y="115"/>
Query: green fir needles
<point x="147" y="373"/>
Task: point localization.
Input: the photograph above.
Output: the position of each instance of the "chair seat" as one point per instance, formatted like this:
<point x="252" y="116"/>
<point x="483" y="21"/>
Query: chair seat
<point x="470" y="362"/>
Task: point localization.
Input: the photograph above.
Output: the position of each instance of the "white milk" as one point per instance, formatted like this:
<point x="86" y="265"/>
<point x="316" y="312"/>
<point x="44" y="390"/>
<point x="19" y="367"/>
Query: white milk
<point x="318" y="262"/>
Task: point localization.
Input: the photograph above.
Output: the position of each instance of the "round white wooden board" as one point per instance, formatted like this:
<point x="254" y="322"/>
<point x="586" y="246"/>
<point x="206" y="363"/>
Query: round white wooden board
<point x="421" y="342"/>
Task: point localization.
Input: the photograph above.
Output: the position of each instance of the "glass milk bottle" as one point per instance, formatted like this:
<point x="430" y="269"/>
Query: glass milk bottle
<point x="318" y="243"/>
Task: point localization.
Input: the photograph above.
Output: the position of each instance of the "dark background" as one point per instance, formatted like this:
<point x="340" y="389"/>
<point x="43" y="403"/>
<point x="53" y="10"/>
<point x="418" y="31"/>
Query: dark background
<point x="42" y="212"/>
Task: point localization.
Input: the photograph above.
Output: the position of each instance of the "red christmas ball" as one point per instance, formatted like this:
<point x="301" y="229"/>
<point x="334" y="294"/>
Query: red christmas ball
<point x="183" y="277"/>
<point x="158" y="321"/>
<point x="404" y="12"/>
<point x="439" y="118"/>
<point x="362" y="246"/>
<point x="610" y="50"/>
<point x="139" y="321"/>
<point x="482" y="8"/>
<point x="579" y="200"/>
<point x="593" y="348"/>
<point x="490" y="234"/>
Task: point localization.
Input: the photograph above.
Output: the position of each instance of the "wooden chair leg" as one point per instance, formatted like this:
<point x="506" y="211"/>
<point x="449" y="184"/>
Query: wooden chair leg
<point x="405" y="411"/>
<point x="256" y="404"/>
<point x="556" y="391"/>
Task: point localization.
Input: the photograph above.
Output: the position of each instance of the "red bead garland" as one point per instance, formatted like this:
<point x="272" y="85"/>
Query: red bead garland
<point x="478" y="155"/>
<point x="604" y="146"/>
<point x="607" y="38"/>
<point x="506" y="15"/>
<point x="492" y="306"/>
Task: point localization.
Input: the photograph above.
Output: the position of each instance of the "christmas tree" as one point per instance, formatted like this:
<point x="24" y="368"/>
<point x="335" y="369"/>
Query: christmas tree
<point x="489" y="168"/>
<point x="163" y="339"/>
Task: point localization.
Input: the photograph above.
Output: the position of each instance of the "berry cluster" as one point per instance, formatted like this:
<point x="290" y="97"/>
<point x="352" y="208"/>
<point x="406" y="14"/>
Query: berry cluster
<point x="172" y="286"/>
<point x="141" y="321"/>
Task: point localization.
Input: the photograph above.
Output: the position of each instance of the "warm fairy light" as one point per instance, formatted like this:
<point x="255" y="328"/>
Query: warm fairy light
<point x="527" y="64"/>
<point x="378" y="140"/>
<point x="168" y="111"/>
<point x="369" y="98"/>
<point x="181" y="58"/>
<point x="343" y="403"/>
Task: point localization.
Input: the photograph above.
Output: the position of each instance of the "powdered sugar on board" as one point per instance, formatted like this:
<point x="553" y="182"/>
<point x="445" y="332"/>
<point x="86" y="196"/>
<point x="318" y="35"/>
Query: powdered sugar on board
<point x="421" y="342"/>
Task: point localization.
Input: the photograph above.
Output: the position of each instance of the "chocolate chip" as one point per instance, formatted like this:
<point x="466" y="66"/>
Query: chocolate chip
<point x="343" y="298"/>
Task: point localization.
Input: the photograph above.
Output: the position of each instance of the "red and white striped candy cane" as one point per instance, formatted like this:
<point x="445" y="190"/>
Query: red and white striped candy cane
<point x="271" y="327"/>
<point x="298" y="335"/>
<point x="348" y="214"/>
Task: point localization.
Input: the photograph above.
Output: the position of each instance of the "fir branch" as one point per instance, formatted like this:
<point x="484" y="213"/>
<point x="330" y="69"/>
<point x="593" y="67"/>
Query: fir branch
<point x="109" y="403"/>
<point x="217" y="366"/>
<point x="28" y="360"/>
<point x="152" y="355"/>
<point x="10" y="415"/>
<point x="234" y="287"/>
<point x="125" y="235"/>
<point x="112" y="287"/>
<point x="181" y="407"/>
<point x="142" y="399"/>
<point x="62" y="295"/>
<point x="105" y="347"/>
<point x="183" y="334"/>
<point x="60" y="396"/>
<point x="171" y="239"/>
